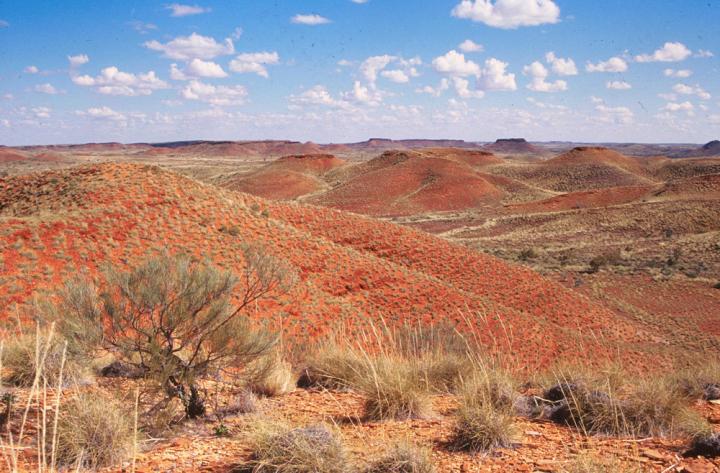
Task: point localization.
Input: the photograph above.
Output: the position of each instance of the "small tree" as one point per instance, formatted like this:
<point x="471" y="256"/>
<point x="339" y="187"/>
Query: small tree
<point x="177" y="320"/>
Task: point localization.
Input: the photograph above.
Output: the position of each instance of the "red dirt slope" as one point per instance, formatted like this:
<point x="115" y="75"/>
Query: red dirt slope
<point x="582" y="200"/>
<point x="8" y="155"/>
<point x="289" y="177"/>
<point x="352" y="269"/>
<point x="407" y="182"/>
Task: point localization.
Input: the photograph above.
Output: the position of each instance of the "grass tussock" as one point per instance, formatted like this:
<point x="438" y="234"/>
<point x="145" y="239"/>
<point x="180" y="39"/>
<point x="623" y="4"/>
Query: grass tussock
<point x="21" y="355"/>
<point x="483" y="428"/>
<point x="591" y="463"/>
<point x="403" y="458"/>
<point x="611" y="405"/>
<point x="94" y="431"/>
<point x="280" y="449"/>
<point x="699" y="380"/>
<point x="272" y="377"/>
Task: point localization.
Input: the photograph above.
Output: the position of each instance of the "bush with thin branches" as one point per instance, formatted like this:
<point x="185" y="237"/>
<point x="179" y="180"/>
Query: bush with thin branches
<point x="177" y="320"/>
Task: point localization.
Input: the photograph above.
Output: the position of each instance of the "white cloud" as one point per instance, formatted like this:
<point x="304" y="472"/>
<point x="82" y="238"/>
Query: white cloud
<point x="561" y="66"/>
<point x="319" y="95"/>
<point x="142" y="27"/>
<point x="703" y="53"/>
<point x="47" y="89"/>
<point x="311" y="20"/>
<point x="113" y="81"/>
<point x="681" y="73"/>
<point x="371" y="66"/>
<point x="178" y="10"/>
<point x="470" y="46"/>
<point x="614" y="64"/>
<point x="436" y="91"/>
<point x="678" y="107"/>
<point x="539" y="74"/>
<point x="494" y="76"/>
<point x="237" y="33"/>
<point x="685" y="89"/>
<point x="214" y="94"/>
<point x="197" y="68"/>
<point x="462" y="87"/>
<point x="618" y="85"/>
<point x="359" y="2"/>
<point x="41" y="112"/>
<point x="669" y="52"/>
<point x="362" y="94"/>
<point x="668" y="97"/>
<point x="104" y="113"/>
<point x="31" y="70"/>
<point x="396" y="75"/>
<point x="508" y="14"/>
<point x="455" y="64"/>
<point x="616" y="115"/>
<point x="78" y="60"/>
<point x="254" y="62"/>
<point x="186" y="48"/>
<point x="540" y="104"/>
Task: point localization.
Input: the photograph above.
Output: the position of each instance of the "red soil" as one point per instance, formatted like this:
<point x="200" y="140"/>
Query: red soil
<point x="8" y="155"/>
<point x="581" y="200"/>
<point x="584" y="155"/>
<point x="408" y="182"/>
<point x="288" y="178"/>
<point x="474" y="158"/>
<point x="707" y="185"/>
<point x="54" y="222"/>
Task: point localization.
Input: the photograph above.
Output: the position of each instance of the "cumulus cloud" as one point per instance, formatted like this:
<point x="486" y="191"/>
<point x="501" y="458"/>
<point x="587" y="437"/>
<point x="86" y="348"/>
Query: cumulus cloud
<point x="186" y="48"/>
<point x="680" y="73"/>
<point x="113" y="81"/>
<point x="561" y="66"/>
<point x="455" y="64"/>
<point x="309" y="19"/>
<point x="703" y="53"/>
<point x="214" y="94"/>
<point x="104" y="113"/>
<point x="615" y="115"/>
<point x="508" y="14"/>
<point x="254" y="62"/>
<point x="317" y="95"/>
<point x="396" y="75"/>
<point x="538" y="82"/>
<point x="197" y="68"/>
<point x="31" y="70"/>
<point x="41" y="112"/>
<point x="669" y="52"/>
<point x="371" y="66"/>
<point x="494" y="76"/>
<point x="462" y="87"/>
<point x="178" y="10"/>
<point x="685" y="89"/>
<point x="78" y="60"/>
<point x="614" y="64"/>
<point x="618" y="85"/>
<point x="361" y="94"/>
<point x="470" y="46"/>
<point x="678" y="107"/>
<point x="435" y="91"/>
<point x="47" y="89"/>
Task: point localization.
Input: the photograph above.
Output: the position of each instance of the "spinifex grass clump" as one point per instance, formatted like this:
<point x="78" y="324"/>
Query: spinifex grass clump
<point x="280" y="449"/>
<point x="94" y="431"/>
<point x="403" y="458"/>
<point x="601" y="402"/>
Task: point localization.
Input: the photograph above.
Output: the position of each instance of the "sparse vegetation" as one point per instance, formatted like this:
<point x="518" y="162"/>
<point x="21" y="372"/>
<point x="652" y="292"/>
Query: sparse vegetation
<point x="173" y="319"/>
<point x="403" y="458"/>
<point x="94" y="430"/>
<point x="313" y="449"/>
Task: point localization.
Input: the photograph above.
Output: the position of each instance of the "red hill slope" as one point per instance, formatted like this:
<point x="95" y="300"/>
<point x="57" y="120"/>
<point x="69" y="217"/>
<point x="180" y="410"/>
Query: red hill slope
<point x="288" y="178"/>
<point x="408" y="182"/>
<point x="353" y="270"/>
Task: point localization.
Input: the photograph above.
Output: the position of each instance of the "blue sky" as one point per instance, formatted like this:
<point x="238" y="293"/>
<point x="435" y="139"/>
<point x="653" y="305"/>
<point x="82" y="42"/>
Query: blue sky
<point x="346" y="70"/>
